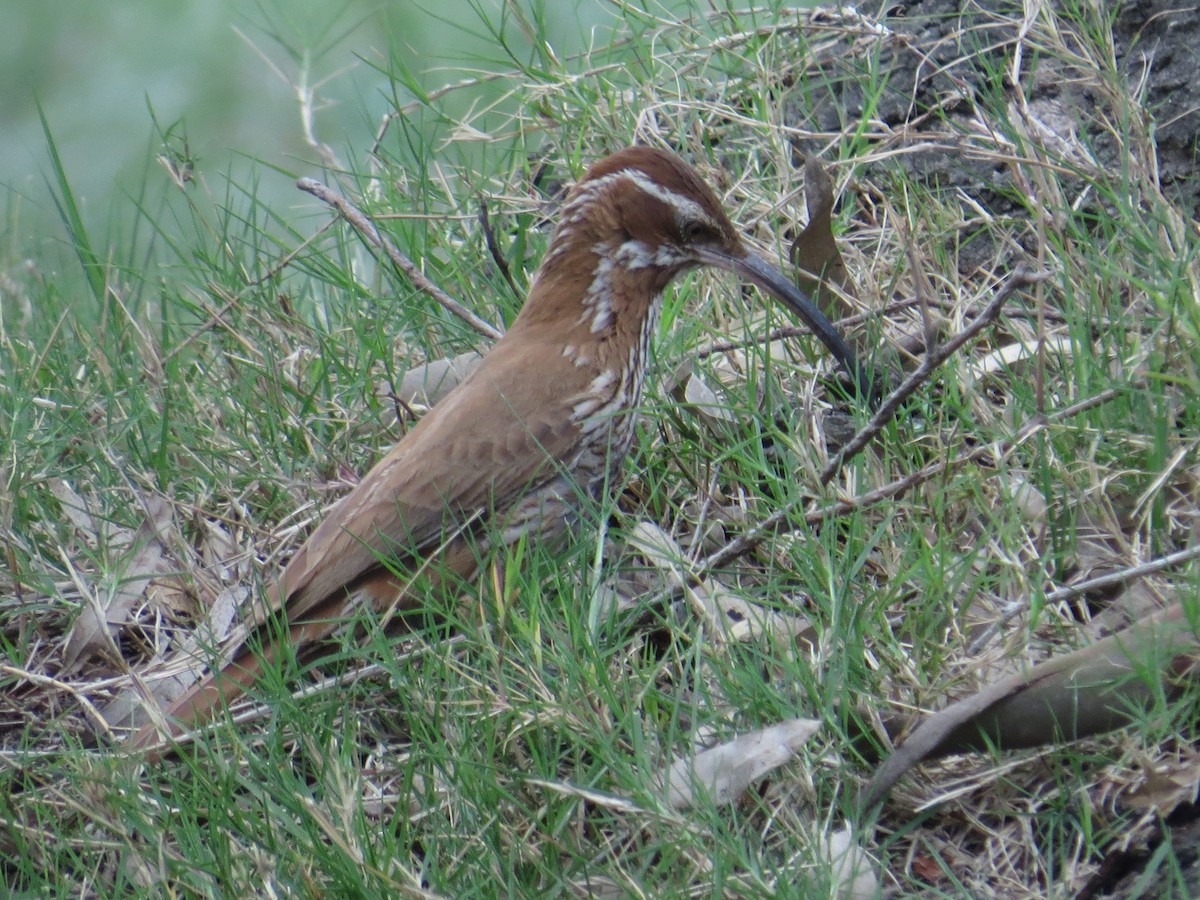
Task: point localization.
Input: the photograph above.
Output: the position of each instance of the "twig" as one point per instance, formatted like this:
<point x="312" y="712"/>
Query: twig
<point x="743" y="543"/>
<point x="1099" y="583"/>
<point x="998" y="449"/>
<point x="364" y="226"/>
<point x="494" y="248"/>
<point x="932" y="360"/>
<point x="748" y="540"/>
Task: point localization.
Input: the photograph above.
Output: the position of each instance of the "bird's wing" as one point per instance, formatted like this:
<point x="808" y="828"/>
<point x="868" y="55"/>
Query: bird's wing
<point x="492" y="439"/>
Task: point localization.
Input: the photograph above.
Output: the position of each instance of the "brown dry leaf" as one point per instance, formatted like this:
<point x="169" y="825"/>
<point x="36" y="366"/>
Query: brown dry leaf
<point x="1090" y="691"/>
<point x="726" y="616"/>
<point x="928" y="868"/>
<point x="1012" y="356"/>
<point x="171" y="595"/>
<point x="1027" y="497"/>
<point x="166" y="679"/>
<point x="704" y="400"/>
<point x="723" y="772"/>
<point x="822" y="272"/>
<point x="108" y="607"/>
<point x="1101" y="549"/>
<point x="79" y="512"/>
<point x="660" y="550"/>
<point x="219" y="579"/>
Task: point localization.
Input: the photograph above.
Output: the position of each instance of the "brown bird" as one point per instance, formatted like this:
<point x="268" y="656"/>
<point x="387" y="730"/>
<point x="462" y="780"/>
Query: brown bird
<point x="547" y="417"/>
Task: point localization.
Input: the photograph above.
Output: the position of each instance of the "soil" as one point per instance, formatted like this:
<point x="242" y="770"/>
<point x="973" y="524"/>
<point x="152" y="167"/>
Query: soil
<point x="942" y="58"/>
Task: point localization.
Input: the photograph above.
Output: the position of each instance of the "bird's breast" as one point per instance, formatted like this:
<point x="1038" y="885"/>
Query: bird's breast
<point x="606" y="410"/>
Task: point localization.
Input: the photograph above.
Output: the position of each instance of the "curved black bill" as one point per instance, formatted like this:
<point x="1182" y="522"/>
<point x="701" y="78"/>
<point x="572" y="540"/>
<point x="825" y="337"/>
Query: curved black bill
<point x="758" y="271"/>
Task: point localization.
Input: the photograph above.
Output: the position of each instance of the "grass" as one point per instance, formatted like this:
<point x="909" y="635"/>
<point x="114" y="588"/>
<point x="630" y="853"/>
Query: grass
<point x="236" y="363"/>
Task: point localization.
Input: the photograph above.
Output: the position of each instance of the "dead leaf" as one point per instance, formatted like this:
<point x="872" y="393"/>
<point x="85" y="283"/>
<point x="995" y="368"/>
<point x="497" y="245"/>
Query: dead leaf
<point x="726" y="616"/>
<point x="171" y="595"/>
<point x="1090" y="691"/>
<point x="167" y="678"/>
<point x="1011" y="356"/>
<point x="77" y="510"/>
<point x="1102" y="549"/>
<point x="822" y="272"/>
<point x="723" y="772"/>
<point x="426" y="385"/>
<point x="1027" y="498"/>
<point x="108" y="606"/>
<point x="705" y="401"/>
<point x="851" y="871"/>
<point x="1166" y="785"/>
<point x="928" y="869"/>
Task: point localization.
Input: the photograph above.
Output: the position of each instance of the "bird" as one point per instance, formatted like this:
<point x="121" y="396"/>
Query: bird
<point x="544" y="420"/>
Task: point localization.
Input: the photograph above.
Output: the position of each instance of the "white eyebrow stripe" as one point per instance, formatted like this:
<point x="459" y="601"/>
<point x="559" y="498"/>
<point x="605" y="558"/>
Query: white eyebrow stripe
<point x="684" y="207"/>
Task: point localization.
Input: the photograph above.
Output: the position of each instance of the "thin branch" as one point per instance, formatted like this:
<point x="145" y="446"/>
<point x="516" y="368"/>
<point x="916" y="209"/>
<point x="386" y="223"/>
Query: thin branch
<point x="364" y="226"/>
<point x="929" y="364"/>
<point x="1100" y="583"/>
<point x="996" y="450"/>
<point x="743" y="543"/>
<point x="748" y="540"/>
<point x="1112" y="579"/>
<point x="493" y="246"/>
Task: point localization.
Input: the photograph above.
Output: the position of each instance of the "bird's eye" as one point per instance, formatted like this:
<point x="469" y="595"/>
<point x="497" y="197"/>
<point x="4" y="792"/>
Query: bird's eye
<point x="696" y="231"/>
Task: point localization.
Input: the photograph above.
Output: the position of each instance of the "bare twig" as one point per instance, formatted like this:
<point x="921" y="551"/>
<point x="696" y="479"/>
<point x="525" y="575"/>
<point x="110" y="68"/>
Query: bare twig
<point x="364" y="226"/>
<point x="494" y="248"/>
<point x="996" y="450"/>
<point x="1099" y="583"/>
<point x="932" y="360"/>
<point x="748" y="540"/>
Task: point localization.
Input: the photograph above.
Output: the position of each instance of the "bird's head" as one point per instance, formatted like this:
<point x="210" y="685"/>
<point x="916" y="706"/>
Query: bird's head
<point x="633" y="223"/>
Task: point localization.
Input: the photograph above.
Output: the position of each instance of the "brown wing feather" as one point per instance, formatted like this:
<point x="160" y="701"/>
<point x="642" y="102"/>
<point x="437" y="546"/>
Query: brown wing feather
<point x="498" y="435"/>
<point x="485" y="444"/>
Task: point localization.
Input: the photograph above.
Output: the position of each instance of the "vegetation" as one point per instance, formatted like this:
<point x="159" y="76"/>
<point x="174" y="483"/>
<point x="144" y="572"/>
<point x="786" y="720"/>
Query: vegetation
<point x="179" y="409"/>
